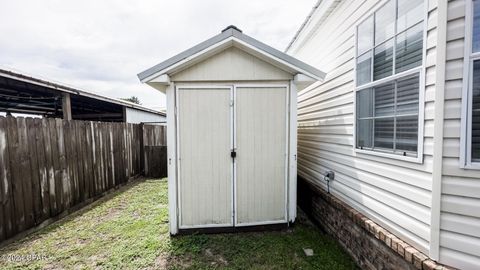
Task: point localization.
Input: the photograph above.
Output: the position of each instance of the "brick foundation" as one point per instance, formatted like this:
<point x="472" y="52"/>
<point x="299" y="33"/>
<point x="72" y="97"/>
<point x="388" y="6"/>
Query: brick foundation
<point x="371" y="246"/>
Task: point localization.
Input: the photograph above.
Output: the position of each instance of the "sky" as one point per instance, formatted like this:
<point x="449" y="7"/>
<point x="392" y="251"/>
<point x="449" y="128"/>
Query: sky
<point x="101" y="46"/>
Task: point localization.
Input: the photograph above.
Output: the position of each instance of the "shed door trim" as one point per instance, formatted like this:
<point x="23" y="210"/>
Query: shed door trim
<point x="233" y="146"/>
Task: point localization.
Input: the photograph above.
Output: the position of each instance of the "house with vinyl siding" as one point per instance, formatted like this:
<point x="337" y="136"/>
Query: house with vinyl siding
<point x="397" y="119"/>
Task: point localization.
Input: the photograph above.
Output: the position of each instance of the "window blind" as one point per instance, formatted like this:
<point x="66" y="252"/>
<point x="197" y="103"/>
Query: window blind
<point x="383" y="60"/>
<point x="476" y="111"/>
<point x="387" y="116"/>
<point x="476" y="26"/>
<point x="409" y="49"/>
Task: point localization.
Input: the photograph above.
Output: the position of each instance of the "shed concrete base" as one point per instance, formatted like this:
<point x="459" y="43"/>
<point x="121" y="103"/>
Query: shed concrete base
<point x="256" y="228"/>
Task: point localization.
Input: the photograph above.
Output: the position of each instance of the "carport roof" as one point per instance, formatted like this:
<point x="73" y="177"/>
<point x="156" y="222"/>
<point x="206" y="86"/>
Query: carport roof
<point x="236" y="36"/>
<point x="20" y="93"/>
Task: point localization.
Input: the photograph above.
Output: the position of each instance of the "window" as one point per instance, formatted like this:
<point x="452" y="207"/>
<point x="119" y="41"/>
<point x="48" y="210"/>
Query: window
<point x="473" y="65"/>
<point x="387" y="116"/>
<point x="476" y="111"/>
<point x="389" y="57"/>
<point x="476" y="27"/>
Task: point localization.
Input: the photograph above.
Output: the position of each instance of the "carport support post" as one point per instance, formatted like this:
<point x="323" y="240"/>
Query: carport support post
<point x="124" y="114"/>
<point x="66" y="107"/>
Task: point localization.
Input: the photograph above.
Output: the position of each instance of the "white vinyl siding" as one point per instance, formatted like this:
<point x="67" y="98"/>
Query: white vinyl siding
<point x="460" y="200"/>
<point x="389" y="78"/>
<point x="232" y="64"/>
<point x="392" y="192"/>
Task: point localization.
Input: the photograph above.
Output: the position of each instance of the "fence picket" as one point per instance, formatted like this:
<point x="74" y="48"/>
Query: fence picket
<point x="34" y="172"/>
<point x="17" y="189"/>
<point x="42" y="169"/>
<point x="4" y="183"/>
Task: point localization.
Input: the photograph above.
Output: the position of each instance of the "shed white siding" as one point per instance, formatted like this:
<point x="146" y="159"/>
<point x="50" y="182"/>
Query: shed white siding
<point x="232" y="64"/>
<point x="394" y="193"/>
<point x="135" y="116"/>
<point x="460" y="200"/>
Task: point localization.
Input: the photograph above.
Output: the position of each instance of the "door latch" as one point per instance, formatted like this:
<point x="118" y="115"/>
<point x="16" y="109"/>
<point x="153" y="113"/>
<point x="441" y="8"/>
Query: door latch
<point x="233" y="154"/>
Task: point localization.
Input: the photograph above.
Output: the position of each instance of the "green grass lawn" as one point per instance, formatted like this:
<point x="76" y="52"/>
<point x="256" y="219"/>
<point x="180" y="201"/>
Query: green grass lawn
<point x="129" y="230"/>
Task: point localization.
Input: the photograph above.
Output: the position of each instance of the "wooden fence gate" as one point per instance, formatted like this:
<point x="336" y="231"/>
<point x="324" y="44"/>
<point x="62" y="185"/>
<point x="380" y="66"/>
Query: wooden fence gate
<point x="155" y="149"/>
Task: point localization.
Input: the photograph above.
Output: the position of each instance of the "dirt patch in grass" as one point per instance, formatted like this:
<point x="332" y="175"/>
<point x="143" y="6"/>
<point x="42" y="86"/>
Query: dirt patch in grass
<point x="129" y="230"/>
<point x="161" y="262"/>
<point x="216" y="259"/>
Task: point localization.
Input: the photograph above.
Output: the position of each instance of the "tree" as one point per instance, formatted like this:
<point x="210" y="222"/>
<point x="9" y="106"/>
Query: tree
<point x="132" y="99"/>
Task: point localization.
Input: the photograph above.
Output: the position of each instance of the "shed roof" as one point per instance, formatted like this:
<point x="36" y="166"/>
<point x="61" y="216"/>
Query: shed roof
<point x="231" y="36"/>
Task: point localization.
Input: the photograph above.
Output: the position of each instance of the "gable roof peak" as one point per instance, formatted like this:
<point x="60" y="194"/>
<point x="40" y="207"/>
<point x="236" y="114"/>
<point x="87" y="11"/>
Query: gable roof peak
<point x="231" y="36"/>
<point x="232" y="27"/>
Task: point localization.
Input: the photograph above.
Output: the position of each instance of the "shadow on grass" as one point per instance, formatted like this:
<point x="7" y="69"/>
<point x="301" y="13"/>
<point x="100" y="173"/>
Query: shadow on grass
<point x="36" y="235"/>
<point x="128" y="229"/>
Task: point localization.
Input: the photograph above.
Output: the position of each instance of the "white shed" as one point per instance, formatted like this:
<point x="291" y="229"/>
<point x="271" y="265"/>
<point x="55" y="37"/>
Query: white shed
<point x="232" y="120"/>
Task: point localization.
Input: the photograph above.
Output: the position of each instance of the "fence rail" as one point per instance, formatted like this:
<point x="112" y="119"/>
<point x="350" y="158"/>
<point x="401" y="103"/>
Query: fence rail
<point x="50" y="165"/>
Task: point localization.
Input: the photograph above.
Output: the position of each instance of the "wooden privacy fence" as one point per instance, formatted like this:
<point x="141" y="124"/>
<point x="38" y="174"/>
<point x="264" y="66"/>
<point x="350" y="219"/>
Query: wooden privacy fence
<point x="48" y="166"/>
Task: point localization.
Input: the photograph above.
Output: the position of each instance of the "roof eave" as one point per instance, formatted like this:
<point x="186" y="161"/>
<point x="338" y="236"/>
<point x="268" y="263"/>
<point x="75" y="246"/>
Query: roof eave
<point x="181" y="56"/>
<point x="322" y="9"/>
<point x="230" y="34"/>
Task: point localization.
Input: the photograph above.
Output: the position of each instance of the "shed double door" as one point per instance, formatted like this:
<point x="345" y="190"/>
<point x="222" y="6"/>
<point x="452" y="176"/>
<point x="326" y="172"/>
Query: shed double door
<point x="232" y="149"/>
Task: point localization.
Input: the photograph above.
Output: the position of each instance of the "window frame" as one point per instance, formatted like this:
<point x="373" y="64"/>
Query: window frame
<point x="420" y="70"/>
<point x="467" y="94"/>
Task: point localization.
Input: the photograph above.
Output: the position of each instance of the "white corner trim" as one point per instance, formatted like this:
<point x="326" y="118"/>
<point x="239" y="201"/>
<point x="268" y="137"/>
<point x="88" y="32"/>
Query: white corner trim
<point x="292" y="212"/>
<point x="441" y="55"/>
<point x="171" y="160"/>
